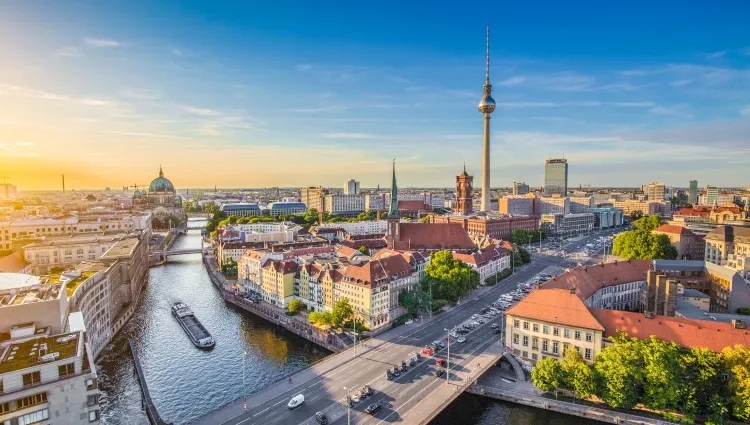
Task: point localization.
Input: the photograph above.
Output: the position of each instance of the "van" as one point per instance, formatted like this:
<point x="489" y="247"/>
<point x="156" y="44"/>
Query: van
<point x="296" y="401"/>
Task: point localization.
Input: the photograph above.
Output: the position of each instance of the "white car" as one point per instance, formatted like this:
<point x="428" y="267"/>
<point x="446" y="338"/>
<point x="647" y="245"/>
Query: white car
<point x="355" y="398"/>
<point x="474" y="316"/>
<point x="461" y="340"/>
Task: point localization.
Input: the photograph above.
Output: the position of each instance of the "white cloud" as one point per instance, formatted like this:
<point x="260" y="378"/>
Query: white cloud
<point x="201" y="111"/>
<point x="150" y="135"/>
<point x="142" y="94"/>
<point x="69" y="51"/>
<point x="304" y="67"/>
<point x="512" y="81"/>
<point x="10" y="90"/>
<point x="676" y="111"/>
<point x="715" y="55"/>
<point x="178" y="52"/>
<point x="102" y="42"/>
<point x="353" y="136"/>
<point x="745" y="111"/>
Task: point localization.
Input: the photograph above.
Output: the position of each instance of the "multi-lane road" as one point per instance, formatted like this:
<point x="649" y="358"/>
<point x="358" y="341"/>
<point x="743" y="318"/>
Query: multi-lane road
<point x="327" y="391"/>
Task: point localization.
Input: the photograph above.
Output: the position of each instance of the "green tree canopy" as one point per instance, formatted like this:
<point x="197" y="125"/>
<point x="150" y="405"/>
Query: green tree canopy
<point x="647" y="223"/>
<point x="450" y="278"/>
<point x="414" y="300"/>
<point x="321" y="318"/>
<point x="619" y="372"/>
<point x="363" y="249"/>
<point x="737" y="361"/>
<point x="342" y="312"/>
<point x="577" y="374"/>
<point x="295" y="306"/>
<point x="547" y="375"/>
<point x="644" y="245"/>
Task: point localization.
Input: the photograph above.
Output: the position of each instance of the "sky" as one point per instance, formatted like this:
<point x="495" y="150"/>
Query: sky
<point x="298" y="93"/>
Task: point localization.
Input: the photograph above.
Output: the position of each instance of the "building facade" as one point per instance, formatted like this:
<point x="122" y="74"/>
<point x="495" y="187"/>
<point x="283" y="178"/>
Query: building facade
<point x="496" y="227"/>
<point x="312" y="197"/>
<point x="655" y="191"/>
<point x="568" y="224"/>
<point x="276" y="209"/>
<point x="244" y="209"/>
<point x="344" y="204"/>
<point x="553" y="205"/>
<point x="693" y="192"/>
<point x="520" y="188"/>
<point x="606" y="217"/>
<point x="464" y="194"/>
<point x="351" y="187"/>
<point x="581" y="204"/>
<point x="556" y="177"/>
<point x="517" y="205"/>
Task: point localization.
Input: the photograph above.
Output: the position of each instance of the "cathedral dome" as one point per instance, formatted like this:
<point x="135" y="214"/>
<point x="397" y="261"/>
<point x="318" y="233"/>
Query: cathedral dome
<point x="161" y="184"/>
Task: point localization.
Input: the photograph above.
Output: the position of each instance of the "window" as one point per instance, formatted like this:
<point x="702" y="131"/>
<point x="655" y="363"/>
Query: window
<point x="4" y="408"/>
<point x="534" y="356"/>
<point x="66" y="369"/>
<point x="566" y="333"/>
<point x="92" y="400"/>
<point x="525" y="341"/>
<point x="589" y="337"/>
<point x="535" y="327"/>
<point x="555" y="348"/>
<point x="535" y="343"/>
<point x="577" y="335"/>
<point x="556" y="331"/>
<point x="587" y="354"/>
<point x="545" y="329"/>
<point x="94" y="416"/>
<point x="515" y="338"/>
<point x="31" y="378"/>
<point x="516" y="323"/>
<point x="526" y="325"/>
<point x="31" y="400"/>
<point x="34" y="417"/>
<point x="545" y="346"/>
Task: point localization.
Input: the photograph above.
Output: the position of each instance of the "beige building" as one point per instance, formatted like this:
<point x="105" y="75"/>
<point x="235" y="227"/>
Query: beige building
<point x="548" y="322"/>
<point x="366" y="288"/>
<point x="30" y="299"/>
<point x="63" y="251"/>
<point x="313" y="197"/>
<point x="662" y="208"/>
<point x="47" y="378"/>
<point x="726" y="241"/>
<point x="689" y="246"/>
<point x="278" y="282"/>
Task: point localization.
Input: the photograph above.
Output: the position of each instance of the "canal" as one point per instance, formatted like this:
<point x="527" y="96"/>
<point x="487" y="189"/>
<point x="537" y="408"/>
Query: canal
<point x="186" y="382"/>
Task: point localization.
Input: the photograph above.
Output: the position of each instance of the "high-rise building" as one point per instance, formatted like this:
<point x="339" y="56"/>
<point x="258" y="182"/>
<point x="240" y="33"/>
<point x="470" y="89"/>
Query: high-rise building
<point x="8" y="191"/>
<point x="351" y="187"/>
<point x="520" y="188"/>
<point x="464" y="203"/>
<point x="655" y="191"/>
<point x="712" y="195"/>
<point x="693" y="193"/>
<point x="312" y="197"/>
<point x="486" y="107"/>
<point x="556" y="177"/>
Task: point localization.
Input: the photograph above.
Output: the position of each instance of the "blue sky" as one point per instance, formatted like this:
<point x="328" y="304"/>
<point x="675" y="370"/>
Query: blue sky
<point x="264" y="93"/>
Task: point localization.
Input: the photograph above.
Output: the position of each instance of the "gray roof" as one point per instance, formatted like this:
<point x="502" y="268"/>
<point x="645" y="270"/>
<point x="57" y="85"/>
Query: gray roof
<point x="240" y="207"/>
<point x="680" y="265"/>
<point x="685" y="309"/>
<point x="17" y="280"/>
<point x="694" y="293"/>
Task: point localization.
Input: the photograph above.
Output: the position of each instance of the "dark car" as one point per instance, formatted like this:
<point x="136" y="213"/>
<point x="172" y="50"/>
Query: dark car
<point x="497" y="331"/>
<point x="373" y="408"/>
<point x="403" y="366"/>
<point x="321" y="418"/>
<point x="388" y="374"/>
<point x="366" y="389"/>
<point x="395" y="371"/>
<point x="412" y="362"/>
<point x="439" y="372"/>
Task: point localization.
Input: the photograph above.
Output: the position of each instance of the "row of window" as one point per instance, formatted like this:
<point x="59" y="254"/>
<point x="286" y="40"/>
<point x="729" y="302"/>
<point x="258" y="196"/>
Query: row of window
<point x="555" y="330"/>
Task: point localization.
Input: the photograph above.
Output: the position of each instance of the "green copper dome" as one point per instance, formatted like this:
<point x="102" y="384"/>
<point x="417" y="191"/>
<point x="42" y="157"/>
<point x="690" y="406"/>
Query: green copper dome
<point x="161" y="184"/>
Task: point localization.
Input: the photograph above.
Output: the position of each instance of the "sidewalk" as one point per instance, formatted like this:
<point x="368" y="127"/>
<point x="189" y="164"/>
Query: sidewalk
<point x="235" y="408"/>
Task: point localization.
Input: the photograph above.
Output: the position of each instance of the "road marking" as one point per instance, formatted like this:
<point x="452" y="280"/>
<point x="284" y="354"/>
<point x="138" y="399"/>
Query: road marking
<point x="259" y="413"/>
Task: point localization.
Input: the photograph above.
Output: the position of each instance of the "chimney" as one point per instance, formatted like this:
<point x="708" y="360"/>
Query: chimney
<point x="738" y="324"/>
<point x="649" y="314"/>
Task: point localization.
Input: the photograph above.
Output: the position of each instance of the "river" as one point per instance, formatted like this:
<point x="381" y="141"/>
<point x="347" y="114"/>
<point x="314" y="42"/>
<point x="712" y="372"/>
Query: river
<point x="185" y="382"/>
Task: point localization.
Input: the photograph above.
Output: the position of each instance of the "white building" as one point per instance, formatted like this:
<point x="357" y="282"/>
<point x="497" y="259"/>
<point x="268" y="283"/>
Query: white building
<point x="47" y="378"/>
<point x="581" y="204"/>
<point x="376" y="201"/>
<point x="553" y="205"/>
<point x="62" y="251"/>
<point x="360" y="227"/>
<point x="655" y="191"/>
<point x="351" y="187"/>
<point x="264" y="232"/>
<point x="488" y="262"/>
<point x="344" y="204"/>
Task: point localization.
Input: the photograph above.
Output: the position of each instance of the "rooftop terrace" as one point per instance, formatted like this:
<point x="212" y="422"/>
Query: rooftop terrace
<point x="22" y="355"/>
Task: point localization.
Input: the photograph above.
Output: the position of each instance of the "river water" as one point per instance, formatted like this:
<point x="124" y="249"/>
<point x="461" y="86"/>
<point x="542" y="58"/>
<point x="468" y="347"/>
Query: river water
<point x="185" y="382"/>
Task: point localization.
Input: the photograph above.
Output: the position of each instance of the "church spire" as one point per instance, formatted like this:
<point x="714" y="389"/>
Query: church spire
<point x="393" y="212"/>
<point x="161" y="173"/>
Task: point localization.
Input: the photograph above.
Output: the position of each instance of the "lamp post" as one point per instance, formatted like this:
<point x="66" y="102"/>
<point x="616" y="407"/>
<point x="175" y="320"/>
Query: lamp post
<point x="430" y="298"/>
<point x="540" y="239"/>
<point x="348" y="407"/>
<point x="448" y="365"/>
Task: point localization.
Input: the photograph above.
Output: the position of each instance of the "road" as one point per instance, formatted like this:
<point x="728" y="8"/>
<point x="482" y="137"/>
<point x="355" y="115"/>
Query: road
<point x="326" y="392"/>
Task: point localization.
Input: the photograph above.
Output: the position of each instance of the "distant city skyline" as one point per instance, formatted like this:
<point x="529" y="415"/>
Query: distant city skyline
<point x="253" y="95"/>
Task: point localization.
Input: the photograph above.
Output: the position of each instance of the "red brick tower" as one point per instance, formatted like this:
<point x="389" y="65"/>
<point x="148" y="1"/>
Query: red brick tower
<point x="464" y="191"/>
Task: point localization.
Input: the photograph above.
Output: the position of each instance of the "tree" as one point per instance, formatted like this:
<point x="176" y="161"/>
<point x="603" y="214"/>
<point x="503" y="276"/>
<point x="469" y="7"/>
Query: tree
<point x="517" y="259"/>
<point x="647" y="223"/>
<point x="414" y="300"/>
<point x="525" y="256"/>
<point x="737" y="361"/>
<point x="663" y="373"/>
<point x="635" y="215"/>
<point x="295" y="306"/>
<point x="619" y="374"/>
<point x="547" y="375"/>
<point x="744" y="310"/>
<point x="426" y="219"/>
<point x="643" y="245"/>
<point x="363" y="249"/>
<point x="342" y="311"/>
<point x="703" y="382"/>
<point x="321" y="318"/>
<point x="450" y="278"/>
<point x="577" y="374"/>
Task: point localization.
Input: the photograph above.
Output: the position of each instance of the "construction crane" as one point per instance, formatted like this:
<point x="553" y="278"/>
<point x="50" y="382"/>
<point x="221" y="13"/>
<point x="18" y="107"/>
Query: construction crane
<point x="136" y="186"/>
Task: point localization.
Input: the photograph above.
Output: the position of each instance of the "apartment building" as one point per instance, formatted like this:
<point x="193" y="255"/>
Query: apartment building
<point x="351" y="187"/>
<point x="496" y="227"/>
<point x="662" y="208"/>
<point x="359" y="228"/>
<point x="520" y="188"/>
<point x="64" y="251"/>
<point x="344" y="204"/>
<point x="606" y="217"/>
<point x="278" y="282"/>
<point x="517" y="205"/>
<point x="276" y="209"/>
<point x="689" y="245"/>
<point x="655" y="191"/>
<point x="553" y="205"/>
<point x="312" y="197"/>
<point x="244" y="209"/>
<point x="727" y="244"/>
<point x="581" y="204"/>
<point x="47" y="378"/>
<point x="488" y="262"/>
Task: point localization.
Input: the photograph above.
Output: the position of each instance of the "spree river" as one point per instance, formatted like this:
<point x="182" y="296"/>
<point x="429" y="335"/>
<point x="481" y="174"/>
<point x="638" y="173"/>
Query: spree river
<point x="186" y="383"/>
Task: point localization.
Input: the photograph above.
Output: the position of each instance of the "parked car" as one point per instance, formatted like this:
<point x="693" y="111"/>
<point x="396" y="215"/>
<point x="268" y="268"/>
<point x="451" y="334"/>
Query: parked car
<point x="395" y="371"/>
<point x="366" y="389"/>
<point x="428" y="351"/>
<point x="388" y="375"/>
<point x="404" y="368"/>
<point x="296" y="401"/>
<point x="461" y="340"/>
<point x="439" y="372"/>
<point x="494" y="326"/>
<point x="496" y="331"/>
<point x="372" y="409"/>
<point x="441" y="362"/>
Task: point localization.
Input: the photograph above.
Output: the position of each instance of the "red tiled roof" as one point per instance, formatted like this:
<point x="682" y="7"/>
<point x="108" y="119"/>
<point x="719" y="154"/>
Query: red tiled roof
<point x="685" y="332"/>
<point x="13" y="263"/>
<point x="433" y="236"/>
<point x="588" y="280"/>
<point x="348" y="252"/>
<point x="378" y="271"/>
<point x="283" y="267"/>
<point x="672" y="229"/>
<point x="696" y="211"/>
<point x="555" y="306"/>
<point x="732" y="209"/>
<point x="479" y="259"/>
<point x="410" y="205"/>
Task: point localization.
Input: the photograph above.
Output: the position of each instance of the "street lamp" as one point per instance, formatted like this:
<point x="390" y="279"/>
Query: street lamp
<point x="540" y="239"/>
<point x="348" y="407"/>
<point x="448" y="365"/>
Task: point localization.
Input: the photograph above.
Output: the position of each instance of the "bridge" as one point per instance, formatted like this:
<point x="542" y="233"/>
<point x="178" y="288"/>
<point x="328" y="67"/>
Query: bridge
<point x="414" y="397"/>
<point x="195" y="228"/>
<point x="182" y="251"/>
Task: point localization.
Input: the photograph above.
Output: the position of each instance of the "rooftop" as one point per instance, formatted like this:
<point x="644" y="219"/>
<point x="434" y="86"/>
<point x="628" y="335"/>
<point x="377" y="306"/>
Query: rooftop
<point x="672" y="229"/>
<point x="123" y="248"/>
<point x="685" y="332"/>
<point x="429" y="236"/>
<point x="680" y="265"/>
<point x="80" y="238"/>
<point x="13" y="263"/>
<point x="694" y="293"/>
<point x="10" y="281"/>
<point x="730" y="234"/>
<point x="22" y="355"/>
<point x="555" y="306"/>
<point x="240" y="207"/>
<point x="589" y="279"/>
